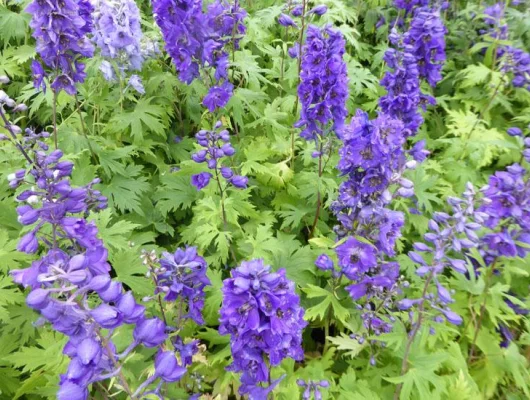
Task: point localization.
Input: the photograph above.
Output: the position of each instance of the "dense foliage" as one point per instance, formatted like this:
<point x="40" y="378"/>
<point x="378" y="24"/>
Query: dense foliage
<point x="214" y="199"/>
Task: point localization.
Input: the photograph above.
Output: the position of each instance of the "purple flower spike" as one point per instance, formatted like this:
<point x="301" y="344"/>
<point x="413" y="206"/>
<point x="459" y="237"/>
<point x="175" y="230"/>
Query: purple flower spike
<point x="323" y="88"/>
<point x="197" y="39"/>
<point x="262" y="313"/>
<point x="61" y="47"/>
<point x="216" y="145"/>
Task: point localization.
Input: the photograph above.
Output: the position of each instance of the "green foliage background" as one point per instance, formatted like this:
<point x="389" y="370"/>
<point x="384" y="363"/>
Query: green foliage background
<point x="137" y="141"/>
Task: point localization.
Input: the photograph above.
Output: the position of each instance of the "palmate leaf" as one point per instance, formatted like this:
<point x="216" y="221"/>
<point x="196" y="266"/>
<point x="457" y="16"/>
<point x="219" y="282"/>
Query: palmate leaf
<point x="361" y="78"/>
<point x="13" y="25"/>
<point x="271" y="118"/>
<point x="475" y="75"/>
<point x="124" y="192"/>
<point x="48" y="352"/>
<point x="145" y="117"/>
<point x="345" y="343"/>
<point x="9" y="65"/>
<point x="130" y="270"/>
<point x="174" y="193"/>
<point x="115" y="235"/>
<point x="112" y="161"/>
<point x="9" y="295"/>
<point x="328" y="299"/>
<point x="420" y="384"/>
<point x="212" y="303"/>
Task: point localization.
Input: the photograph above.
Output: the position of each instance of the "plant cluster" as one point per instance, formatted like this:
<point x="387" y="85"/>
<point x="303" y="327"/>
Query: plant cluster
<point x="298" y="200"/>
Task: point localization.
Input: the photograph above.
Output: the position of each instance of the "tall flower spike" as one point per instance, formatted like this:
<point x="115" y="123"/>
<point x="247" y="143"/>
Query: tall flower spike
<point x="117" y="32"/>
<point x="216" y="145"/>
<point x="60" y="28"/>
<point x="70" y="285"/>
<point x="262" y="314"/>
<point x="402" y="83"/>
<point x="198" y="40"/>
<point x="426" y="35"/>
<point x="450" y="235"/>
<point x="323" y="88"/>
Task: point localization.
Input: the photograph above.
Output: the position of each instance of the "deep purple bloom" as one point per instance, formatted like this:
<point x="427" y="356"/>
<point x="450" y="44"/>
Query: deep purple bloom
<point x="182" y="276"/>
<point x="218" y="96"/>
<point x="60" y="29"/>
<point x="262" y="313"/>
<point x="285" y="20"/>
<point x="198" y="40"/>
<point x="150" y="332"/>
<point x="200" y="181"/>
<point x="324" y="262"/>
<point x="318" y="10"/>
<point x="323" y="88"/>
<point x="355" y="257"/>
<point x="167" y="368"/>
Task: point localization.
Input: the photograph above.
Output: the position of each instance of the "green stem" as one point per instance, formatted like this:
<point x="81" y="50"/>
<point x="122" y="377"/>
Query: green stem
<point x="482" y="312"/>
<point x="412" y="336"/>
<point x="319" y="195"/>
<point x="54" y="118"/>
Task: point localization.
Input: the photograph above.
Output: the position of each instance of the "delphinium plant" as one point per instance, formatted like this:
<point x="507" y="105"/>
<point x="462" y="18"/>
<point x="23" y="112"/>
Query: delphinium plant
<point x="70" y="284"/>
<point x="61" y="29"/>
<point x="199" y="42"/>
<point x="323" y="90"/>
<point x="261" y="312"/>
<point x="384" y="254"/>
<point x="118" y="35"/>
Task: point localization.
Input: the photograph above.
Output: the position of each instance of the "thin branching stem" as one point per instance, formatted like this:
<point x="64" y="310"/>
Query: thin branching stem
<point x="412" y="335"/>
<point x="319" y="194"/>
<point x="7" y="125"/>
<point x="54" y="117"/>
<point x="482" y="312"/>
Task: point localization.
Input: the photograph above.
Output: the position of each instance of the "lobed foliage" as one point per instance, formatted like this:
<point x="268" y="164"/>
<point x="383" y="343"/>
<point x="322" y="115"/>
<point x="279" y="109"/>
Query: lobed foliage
<point x="272" y="195"/>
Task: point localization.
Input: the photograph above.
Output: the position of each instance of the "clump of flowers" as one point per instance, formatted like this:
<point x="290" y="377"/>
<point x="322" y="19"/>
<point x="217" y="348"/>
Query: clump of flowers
<point x="198" y="40"/>
<point x="426" y="35"/>
<point x="512" y="60"/>
<point x="262" y="314"/>
<point x="507" y="205"/>
<point x="450" y="235"/>
<point x="70" y="284"/>
<point x="312" y="387"/>
<point x="372" y="158"/>
<point x="60" y="28"/>
<point x="117" y="32"/>
<point x="182" y="276"/>
<point x="216" y="145"/>
<point x="517" y="62"/>
<point x="323" y="88"/>
<point x="409" y="5"/>
<point x="403" y="98"/>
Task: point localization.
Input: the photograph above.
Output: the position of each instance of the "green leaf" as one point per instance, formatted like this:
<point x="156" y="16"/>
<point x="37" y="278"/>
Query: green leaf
<point x="174" y="193"/>
<point x="124" y="191"/>
<point x="13" y="25"/>
<point x="144" y="117"/>
<point x="345" y="343"/>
